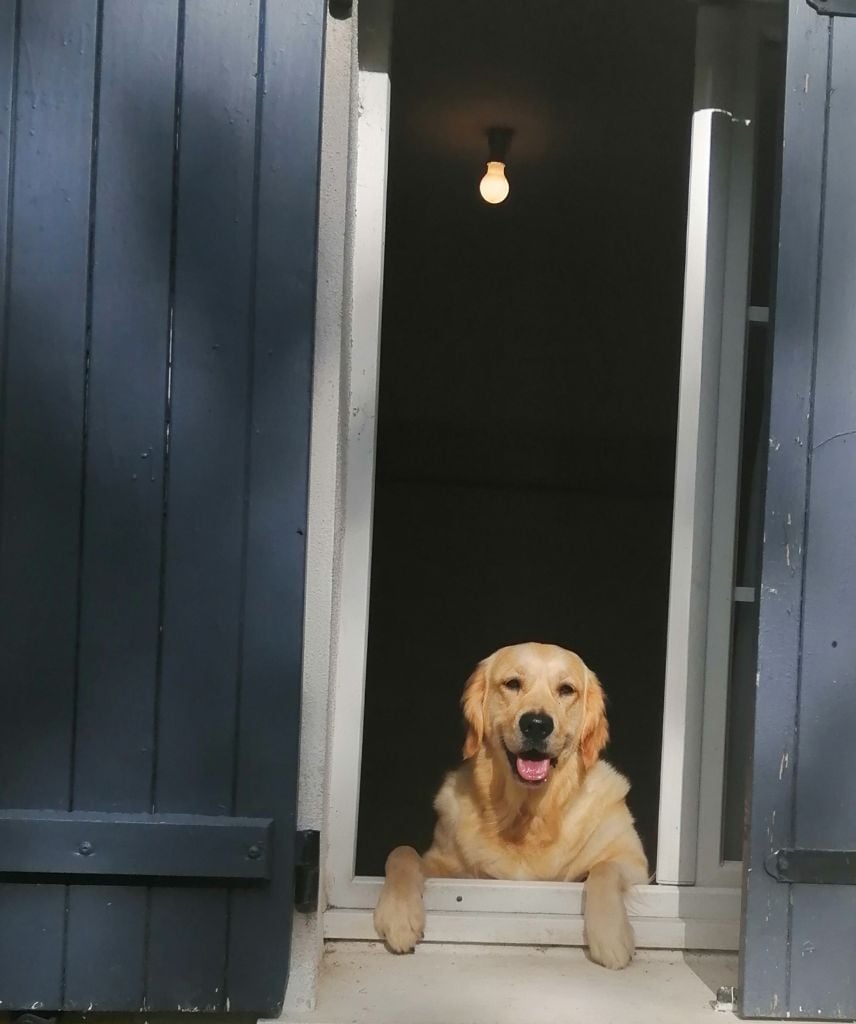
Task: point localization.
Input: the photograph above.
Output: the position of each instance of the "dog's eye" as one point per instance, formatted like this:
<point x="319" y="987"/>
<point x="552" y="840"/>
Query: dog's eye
<point x="565" y="690"/>
<point x="512" y="684"/>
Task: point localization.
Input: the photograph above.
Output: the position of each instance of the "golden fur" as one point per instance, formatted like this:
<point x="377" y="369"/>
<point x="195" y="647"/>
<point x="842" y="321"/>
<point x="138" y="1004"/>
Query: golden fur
<point x="492" y="823"/>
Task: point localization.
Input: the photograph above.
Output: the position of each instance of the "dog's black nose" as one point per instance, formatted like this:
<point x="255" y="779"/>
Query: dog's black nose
<point x="535" y="726"/>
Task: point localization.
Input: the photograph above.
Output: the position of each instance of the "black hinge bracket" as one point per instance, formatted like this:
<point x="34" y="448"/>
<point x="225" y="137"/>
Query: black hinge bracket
<point x="813" y="867"/>
<point x="834" y="8"/>
<point x="341" y="9"/>
<point x="307" y="869"/>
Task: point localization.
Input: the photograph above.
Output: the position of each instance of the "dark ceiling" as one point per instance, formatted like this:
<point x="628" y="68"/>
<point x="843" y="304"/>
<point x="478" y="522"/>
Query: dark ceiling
<point x="592" y="89"/>
<point x="557" y="314"/>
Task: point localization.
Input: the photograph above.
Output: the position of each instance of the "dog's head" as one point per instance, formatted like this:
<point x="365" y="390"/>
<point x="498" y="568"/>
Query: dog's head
<point x="535" y="706"/>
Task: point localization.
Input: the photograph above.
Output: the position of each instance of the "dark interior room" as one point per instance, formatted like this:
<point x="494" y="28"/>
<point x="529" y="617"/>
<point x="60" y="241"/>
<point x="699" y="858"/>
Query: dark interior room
<point x="528" y="377"/>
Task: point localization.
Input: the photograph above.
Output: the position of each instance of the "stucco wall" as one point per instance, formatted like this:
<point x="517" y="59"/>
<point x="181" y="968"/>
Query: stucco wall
<point x="331" y="338"/>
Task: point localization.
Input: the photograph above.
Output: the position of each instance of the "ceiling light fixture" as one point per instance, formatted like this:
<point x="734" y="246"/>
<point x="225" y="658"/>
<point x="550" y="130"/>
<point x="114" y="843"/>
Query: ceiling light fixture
<point x="494" y="185"/>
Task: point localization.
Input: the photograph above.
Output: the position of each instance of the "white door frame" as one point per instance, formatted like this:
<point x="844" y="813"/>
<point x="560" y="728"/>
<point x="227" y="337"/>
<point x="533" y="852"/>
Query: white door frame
<point x="716" y="319"/>
<point x="679" y="915"/>
<point x="359" y="469"/>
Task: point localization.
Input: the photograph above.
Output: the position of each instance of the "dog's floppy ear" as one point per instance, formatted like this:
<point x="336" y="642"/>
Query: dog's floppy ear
<point x="472" y="703"/>
<point x="595" y="730"/>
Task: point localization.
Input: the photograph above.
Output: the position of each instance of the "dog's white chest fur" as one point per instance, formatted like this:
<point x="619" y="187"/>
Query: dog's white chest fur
<point x="531" y="849"/>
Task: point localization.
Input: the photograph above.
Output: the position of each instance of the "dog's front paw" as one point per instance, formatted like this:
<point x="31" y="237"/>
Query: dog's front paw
<point x="399" y="919"/>
<point x="611" y="941"/>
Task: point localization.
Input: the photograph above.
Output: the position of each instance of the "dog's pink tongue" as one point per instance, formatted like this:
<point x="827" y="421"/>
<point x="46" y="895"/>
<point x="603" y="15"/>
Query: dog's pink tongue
<point x="533" y="771"/>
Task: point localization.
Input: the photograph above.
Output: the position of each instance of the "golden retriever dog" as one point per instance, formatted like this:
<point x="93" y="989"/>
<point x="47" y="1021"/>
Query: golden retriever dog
<point x="532" y="800"/>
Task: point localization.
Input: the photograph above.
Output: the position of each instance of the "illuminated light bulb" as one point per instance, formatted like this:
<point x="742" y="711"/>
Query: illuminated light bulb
<point x="494" y="185"/>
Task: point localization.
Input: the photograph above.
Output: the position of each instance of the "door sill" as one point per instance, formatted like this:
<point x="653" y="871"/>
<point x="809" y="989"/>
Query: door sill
<point x="545" y="913"/>
<point x="521" y="929"/>
<point x="362" y="983"/>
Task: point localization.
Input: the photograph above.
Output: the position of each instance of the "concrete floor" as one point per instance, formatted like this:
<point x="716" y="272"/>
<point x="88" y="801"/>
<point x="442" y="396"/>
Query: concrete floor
<point x="443" y="984"/>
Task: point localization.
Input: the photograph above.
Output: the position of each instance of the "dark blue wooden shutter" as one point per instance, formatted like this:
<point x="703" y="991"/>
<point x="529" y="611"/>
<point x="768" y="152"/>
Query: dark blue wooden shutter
<point x="158" y="208"/>
<point x="799" y="931"/>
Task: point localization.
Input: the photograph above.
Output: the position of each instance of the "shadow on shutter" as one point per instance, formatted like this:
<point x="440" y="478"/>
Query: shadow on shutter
<point x="799" y="933"/>
<point x="158" y="225"/>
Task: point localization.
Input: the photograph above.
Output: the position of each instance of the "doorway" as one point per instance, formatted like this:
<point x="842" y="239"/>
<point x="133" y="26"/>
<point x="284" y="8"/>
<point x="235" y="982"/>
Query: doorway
<point x="529" y="370"/>
<point x="516" y="479"/>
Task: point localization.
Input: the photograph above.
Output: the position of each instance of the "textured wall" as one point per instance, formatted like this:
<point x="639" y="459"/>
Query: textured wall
<point x="332" y="332"/>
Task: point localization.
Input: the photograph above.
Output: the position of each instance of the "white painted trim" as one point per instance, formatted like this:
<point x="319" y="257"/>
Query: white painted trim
<point x="726" y="482"/>
<point x="692" y="522"/>
<point x="545" y="913"/>
<point x="359" y="464"/>
<point x="727" y="874"/>
<point x="716" y="296"/>
<point x="526" y="929"/>
<point x="476" y="895"/>
<point x="720" y="596"/>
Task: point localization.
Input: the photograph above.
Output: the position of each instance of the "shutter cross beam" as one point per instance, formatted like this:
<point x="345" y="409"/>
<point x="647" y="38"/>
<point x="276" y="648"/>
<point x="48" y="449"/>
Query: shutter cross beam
<point x="144" y="845"/>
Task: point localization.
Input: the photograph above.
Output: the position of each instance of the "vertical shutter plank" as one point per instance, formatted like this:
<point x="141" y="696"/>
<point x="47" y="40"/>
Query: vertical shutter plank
<point x="764" y="967"/>
<point x="206" y="488"/>
<point x="43" y="412"/>
<point x="270" y="696"/>
<point x="824" y="917"/>
<point x="124" y="471"/>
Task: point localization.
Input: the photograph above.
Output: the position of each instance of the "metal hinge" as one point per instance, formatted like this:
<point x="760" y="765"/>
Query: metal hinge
<point x="341" y="9"/>
<point x="812" y="867"/>
<point x="834" y="8"/>
<point x="307" y="868"/>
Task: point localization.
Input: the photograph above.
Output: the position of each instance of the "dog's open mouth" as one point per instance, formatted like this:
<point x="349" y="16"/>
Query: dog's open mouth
<point x="531" y="766"/>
